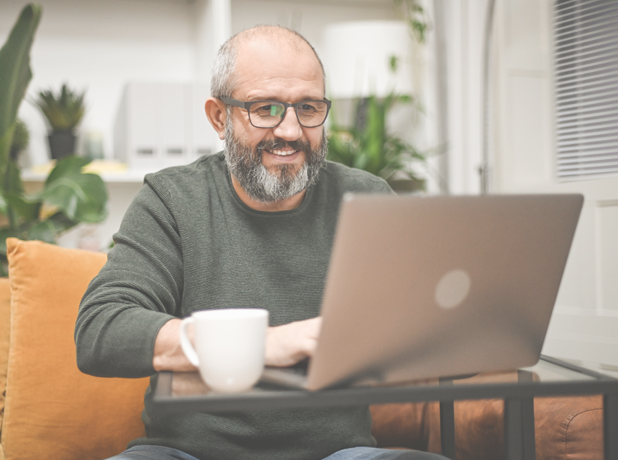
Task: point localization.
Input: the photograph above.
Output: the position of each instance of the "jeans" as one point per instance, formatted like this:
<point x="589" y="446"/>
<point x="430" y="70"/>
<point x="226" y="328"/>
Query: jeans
<point x="354" y="453"/>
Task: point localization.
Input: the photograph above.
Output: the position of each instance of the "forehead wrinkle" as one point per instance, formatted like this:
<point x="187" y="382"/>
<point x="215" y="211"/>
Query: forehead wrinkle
<point x="278" y="81"/>
<point x="275" y="90"/>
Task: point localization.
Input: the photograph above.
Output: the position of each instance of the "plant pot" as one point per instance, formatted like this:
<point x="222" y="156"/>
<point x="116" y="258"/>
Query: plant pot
<point x="61" y="144"/>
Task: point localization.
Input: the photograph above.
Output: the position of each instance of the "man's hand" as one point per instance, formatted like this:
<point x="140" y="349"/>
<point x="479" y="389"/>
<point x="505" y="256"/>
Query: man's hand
<point x="290" y="343"/>
<point x="285" y="345"/>
<point x="168" y="355"/>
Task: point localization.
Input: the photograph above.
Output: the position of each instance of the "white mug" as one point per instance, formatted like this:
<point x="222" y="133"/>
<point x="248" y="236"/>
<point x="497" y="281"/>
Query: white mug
<point x="229" y="346"/>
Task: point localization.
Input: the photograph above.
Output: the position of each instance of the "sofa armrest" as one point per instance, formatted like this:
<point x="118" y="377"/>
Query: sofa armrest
<point x="565" y="428"/>
<point x="569" y="428"/>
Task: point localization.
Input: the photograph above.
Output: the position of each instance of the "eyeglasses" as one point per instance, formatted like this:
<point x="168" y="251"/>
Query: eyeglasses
<point x="270" y="114"/>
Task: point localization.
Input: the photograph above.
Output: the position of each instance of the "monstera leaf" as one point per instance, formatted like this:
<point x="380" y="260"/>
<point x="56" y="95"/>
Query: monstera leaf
<point x="80" y="196"/>
<point x="69" y="196"/>
<point x="48" y="230"/>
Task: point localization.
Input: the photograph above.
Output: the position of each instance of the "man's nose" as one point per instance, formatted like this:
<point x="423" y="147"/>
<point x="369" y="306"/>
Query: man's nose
<point x="290" y="128"/>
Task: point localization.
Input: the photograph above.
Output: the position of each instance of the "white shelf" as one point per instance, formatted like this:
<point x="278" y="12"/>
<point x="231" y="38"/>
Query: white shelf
<point x="128" y="177"/>
<point x="110" y="173"/>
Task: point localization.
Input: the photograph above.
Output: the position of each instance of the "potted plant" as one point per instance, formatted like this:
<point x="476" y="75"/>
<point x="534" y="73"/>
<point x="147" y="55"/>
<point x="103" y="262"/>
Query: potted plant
<point x="69" y="196"/>
<point x="369" y="145"/>
<point x="64" y="111"/>
<point x="21" y="139"/>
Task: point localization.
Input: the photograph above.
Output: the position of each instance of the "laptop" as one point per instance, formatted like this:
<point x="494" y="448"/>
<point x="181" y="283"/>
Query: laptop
<point x="428" y="287"/>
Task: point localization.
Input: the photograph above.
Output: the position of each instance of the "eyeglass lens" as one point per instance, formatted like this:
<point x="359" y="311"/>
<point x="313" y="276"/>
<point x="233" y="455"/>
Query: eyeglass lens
<point x="269" y="114"/>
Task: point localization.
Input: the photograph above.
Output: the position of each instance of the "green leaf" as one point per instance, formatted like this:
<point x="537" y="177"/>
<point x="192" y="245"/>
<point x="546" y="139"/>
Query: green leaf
<point x="67" y="167"/>
<point x="369" y="145"/>
<point x="63" y="111"/>
<point x="4" y="234"/>
<point x="393" y="63"/>
<point x="11" y="184"/>
<point x="48" y="229"/>
<point x="82" y="197"/>
<point x="15" y="73"/>
<point x="43" y="231"/>
<point x="12" y="187"/>
<point x="21" y="136"/>
<point x="6" y="140"/>
<point x="3" y="205"/>
<point x="61" y="222"/>
<point x="24" y="208"/>
<point x="12" y="179"/>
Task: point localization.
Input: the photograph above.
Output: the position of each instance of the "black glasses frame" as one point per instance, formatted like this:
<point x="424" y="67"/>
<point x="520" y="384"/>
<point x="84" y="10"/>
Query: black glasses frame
<point x="247" y="105"/>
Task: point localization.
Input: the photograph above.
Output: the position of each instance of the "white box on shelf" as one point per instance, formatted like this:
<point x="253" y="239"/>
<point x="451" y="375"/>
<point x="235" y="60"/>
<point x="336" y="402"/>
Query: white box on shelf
<point x="137" y="133"/>
<point x="163" y="124"/>
<point x="203" y="136"/>
<point x="175" y="125"/>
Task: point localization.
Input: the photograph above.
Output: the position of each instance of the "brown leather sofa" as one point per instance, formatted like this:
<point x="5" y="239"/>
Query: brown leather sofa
<point x="565" y="428"/>
<point x="51" y="411"/>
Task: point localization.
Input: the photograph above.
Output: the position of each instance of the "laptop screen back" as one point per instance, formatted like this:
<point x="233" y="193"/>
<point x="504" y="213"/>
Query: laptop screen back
<point x="441" y="286"/>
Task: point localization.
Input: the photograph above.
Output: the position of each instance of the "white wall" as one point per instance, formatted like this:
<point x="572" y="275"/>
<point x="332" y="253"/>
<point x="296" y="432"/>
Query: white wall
<point x="465" y="21"/>
<point x="308" y="18"/>
<point x="97" y="46"/>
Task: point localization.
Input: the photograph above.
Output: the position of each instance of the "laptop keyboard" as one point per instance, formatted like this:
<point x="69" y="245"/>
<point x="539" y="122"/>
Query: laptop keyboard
<point x="300" y="368"/>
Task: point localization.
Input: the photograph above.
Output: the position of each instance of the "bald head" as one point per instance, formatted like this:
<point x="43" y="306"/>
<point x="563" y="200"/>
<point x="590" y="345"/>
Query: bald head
<point x="224" y="77"/>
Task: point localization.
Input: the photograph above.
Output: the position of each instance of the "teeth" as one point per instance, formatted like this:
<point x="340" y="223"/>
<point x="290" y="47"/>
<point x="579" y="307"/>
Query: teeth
<point x="283" y="153"/>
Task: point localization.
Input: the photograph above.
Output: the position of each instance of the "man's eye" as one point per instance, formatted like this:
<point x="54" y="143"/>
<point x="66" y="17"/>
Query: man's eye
<point x="307" y="108"/>
<point x="267" y="110"/>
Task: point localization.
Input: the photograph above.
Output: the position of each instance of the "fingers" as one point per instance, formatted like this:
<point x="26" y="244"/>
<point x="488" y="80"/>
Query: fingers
<point x="312" y="326"/>
<point x="308" y="347"/>
<point x="285" y="345"/>
<point x="290" y="343"/>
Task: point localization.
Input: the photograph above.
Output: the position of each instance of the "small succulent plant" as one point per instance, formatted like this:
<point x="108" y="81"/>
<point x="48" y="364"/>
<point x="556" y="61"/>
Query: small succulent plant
<point x="65" y="110"/>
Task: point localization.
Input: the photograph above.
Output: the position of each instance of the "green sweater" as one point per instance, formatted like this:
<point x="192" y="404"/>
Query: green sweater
<point x="187" y="243"/>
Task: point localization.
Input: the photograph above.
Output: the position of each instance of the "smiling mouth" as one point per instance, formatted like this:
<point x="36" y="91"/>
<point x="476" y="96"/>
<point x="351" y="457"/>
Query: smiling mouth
<point x="282" y="153"/>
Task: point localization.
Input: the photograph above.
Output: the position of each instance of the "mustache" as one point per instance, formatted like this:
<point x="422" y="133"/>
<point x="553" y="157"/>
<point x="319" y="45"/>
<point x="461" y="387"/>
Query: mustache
<point x="278" y="143"/>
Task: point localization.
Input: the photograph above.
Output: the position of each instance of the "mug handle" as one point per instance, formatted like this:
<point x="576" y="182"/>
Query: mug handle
<point x="185" y="343"/>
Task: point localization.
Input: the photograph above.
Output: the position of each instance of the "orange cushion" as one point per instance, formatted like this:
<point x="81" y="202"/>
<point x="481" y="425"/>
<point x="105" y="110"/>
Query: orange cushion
<point x="52" y="410"/>
<point x="5" y="329"/>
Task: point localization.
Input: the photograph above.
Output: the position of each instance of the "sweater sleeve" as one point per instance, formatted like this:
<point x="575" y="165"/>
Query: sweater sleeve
<point x="137" y="291"/>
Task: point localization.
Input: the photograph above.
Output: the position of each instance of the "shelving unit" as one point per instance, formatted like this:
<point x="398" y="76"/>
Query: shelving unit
<point x="110" y="172"/>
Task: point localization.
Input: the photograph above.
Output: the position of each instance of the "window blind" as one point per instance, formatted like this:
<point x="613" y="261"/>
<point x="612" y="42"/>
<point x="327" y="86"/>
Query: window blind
<point x="586" y="87"/>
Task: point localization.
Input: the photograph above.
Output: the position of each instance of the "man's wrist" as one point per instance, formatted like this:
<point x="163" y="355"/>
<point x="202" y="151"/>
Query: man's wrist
<point x="168" y="355"/>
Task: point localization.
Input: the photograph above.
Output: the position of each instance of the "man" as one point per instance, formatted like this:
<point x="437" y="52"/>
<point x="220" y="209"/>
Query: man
<point x="252" y="227"/>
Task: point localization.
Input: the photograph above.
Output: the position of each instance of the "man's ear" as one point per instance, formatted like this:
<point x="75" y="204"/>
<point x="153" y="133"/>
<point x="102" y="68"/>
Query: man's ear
<point x="215" y="111"/>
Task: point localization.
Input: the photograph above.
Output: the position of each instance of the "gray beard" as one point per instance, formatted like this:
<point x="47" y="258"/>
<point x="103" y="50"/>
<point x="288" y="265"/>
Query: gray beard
<point x="258" y="182"/>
